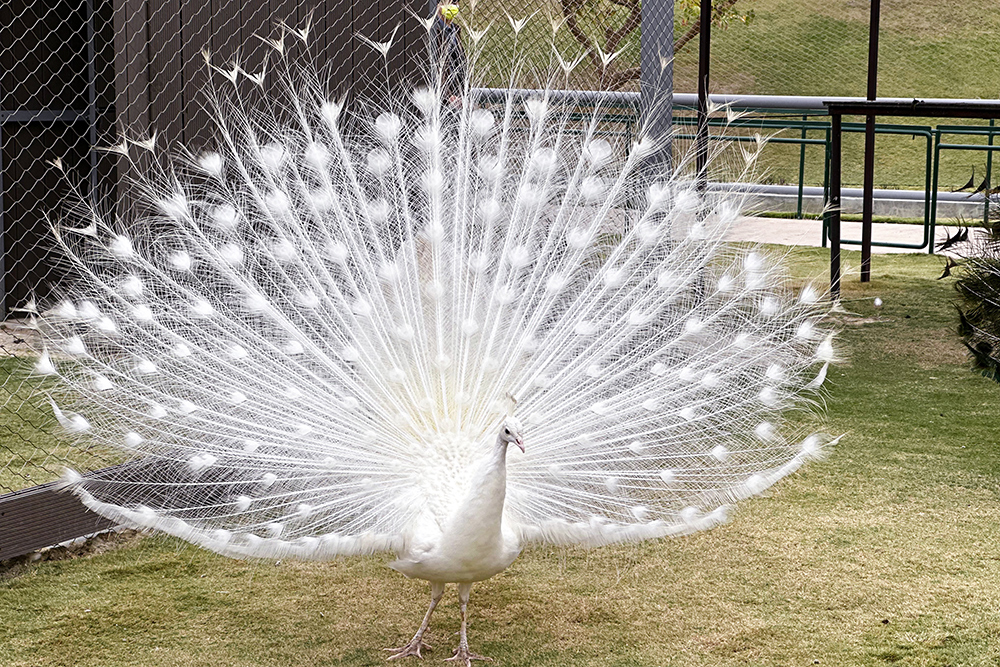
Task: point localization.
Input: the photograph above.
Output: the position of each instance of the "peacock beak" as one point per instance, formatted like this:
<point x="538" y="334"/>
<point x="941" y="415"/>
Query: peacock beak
<point x="520" y="444"/>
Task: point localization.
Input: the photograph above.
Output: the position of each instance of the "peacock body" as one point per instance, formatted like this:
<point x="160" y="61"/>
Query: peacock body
<point x="312" y="340"/>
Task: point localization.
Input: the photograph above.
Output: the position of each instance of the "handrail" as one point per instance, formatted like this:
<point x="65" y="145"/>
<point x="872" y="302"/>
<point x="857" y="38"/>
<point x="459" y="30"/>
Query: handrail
<point x="690" y="100"/>
<point x="803" y="106"/>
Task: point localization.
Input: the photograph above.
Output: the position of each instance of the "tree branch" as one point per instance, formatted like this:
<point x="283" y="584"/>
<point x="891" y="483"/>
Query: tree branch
<point x="613" y="38"/>
<point x="612" y="76"/>
<point x="695" y="28"/>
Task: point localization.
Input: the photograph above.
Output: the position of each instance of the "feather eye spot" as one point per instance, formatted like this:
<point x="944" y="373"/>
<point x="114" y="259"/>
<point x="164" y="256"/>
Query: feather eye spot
<point x="756" y="484"/>
<point x="121" y="247"/>
<point x="44" y="365"/>
<point x="211" y="163"/>
<point x="379" y="163"/>
<point x="200" y="462"/>
<point x="225" y="217"/>
<point x="764" y="431"/>
<point x="387" y="127"/>
<point x="689" y="515"/>
<point x="181" y="261"/>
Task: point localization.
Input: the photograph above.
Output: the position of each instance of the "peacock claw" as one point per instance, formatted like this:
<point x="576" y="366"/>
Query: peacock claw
<point x="464" y="656"/>
<point x="413" y="648"/>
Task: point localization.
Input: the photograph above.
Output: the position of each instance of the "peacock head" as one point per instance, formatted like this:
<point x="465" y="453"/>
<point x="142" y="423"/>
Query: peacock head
<point x="510" y="433"/>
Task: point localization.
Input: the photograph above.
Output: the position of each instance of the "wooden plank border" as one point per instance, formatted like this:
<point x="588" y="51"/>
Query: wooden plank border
<point x="42" y="516"/>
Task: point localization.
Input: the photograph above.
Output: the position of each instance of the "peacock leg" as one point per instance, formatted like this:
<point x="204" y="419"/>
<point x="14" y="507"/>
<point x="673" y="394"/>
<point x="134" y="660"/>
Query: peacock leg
<point x="417" y="643"/>
<point x="463" y="655"/>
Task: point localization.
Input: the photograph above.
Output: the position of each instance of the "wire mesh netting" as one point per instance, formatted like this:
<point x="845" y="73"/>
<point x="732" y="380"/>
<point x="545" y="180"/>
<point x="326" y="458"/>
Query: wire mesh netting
<point x="82" y="81"/>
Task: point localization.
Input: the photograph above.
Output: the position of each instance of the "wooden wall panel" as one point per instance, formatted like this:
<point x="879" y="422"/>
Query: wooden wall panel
<point x="225" y="38"/>
<point x="196" y="17"/>
<point x="255" y="21"/>
<point x="165" y="69"/>
<point x="336" y="47"/>
<point x="367" y="68"/>
<point x="133" y="102"/>
<point x="164" y="82"/>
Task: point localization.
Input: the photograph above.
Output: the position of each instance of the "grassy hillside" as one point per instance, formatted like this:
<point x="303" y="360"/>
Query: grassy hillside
<point x="800" y="47"/>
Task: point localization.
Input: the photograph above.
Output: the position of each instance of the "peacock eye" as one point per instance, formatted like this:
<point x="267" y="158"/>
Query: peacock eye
<point x="506" y="431"/>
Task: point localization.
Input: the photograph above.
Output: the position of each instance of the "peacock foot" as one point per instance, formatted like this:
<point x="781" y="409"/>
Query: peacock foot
<point x="463" y="656"/>
<point x="413" y="648"/>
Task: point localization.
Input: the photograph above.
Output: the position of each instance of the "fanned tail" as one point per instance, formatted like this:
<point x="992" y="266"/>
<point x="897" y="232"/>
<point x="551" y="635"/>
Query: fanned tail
<point x="305" y="338"/>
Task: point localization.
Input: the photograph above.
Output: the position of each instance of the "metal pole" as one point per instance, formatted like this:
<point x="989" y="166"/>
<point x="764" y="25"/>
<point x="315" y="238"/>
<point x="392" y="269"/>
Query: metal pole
<point x="92" y="95"/>
<point x="3" y="232"/>
<point x="656" y="60"/>
<point x="989" y="180"/>
<point x="835" y="143"/>
<point x="802" y="170"/>
<point x="704" y="59"/>
<point x="869" y="177"/>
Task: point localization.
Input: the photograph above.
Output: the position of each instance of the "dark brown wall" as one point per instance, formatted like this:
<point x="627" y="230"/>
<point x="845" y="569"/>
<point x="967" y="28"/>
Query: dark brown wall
<point x="149" y="75"/>
<point x="166" y="71"/>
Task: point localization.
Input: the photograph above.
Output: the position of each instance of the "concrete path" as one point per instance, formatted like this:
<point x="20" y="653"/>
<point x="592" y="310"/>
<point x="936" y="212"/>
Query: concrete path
<point x="784" y="231"/>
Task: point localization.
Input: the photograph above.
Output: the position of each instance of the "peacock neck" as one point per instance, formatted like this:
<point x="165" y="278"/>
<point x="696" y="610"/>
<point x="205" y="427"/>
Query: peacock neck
<point x="483" y="509"/>
<point x="494" y="472"/>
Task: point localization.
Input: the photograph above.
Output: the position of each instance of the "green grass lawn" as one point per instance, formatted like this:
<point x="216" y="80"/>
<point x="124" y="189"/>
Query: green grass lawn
<point x="31" y="451"/>
<point x="887" y="553"/>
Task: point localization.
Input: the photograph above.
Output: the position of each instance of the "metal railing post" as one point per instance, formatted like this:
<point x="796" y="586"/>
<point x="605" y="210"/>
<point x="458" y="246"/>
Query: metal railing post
<point x="704" y="59"/>
<point x="867" y="208"/>
<point x="802" y="170"/>
<point x="835" y="149"/>
<point x="932" y="227"/>
<point x="989" y="172"/>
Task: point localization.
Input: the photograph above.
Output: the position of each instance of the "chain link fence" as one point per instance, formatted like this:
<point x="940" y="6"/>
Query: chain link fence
<point x="80" y="74"/>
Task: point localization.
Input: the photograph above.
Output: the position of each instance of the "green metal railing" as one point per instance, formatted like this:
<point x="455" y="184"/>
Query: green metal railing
<point x="806" y="123"/>
<point x="932" y="135"/>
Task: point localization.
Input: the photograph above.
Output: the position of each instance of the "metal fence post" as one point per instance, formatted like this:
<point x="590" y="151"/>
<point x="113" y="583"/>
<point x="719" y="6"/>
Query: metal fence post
<point x="92" y="96"/>
<point x="704" y="62"/>
<point x="835" y="152"/>
<point x="657" y="65"/>
<point x="3" y="232"/>
<point x="869" y="175"/>
<point x="989" y="174"/>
